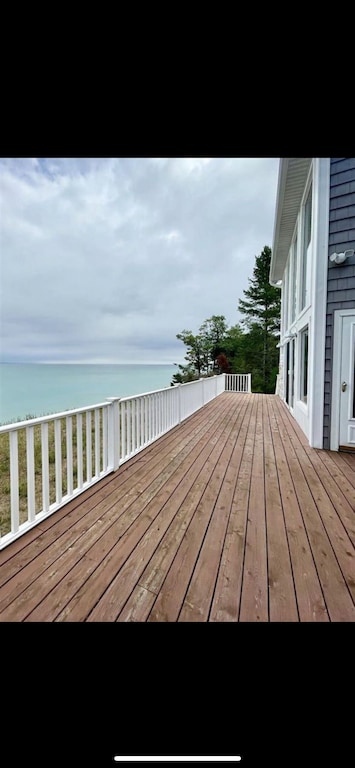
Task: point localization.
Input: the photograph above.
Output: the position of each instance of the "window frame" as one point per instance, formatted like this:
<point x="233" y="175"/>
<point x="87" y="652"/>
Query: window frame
<point x="304" y="363"/>
<point x="305" y="250"/>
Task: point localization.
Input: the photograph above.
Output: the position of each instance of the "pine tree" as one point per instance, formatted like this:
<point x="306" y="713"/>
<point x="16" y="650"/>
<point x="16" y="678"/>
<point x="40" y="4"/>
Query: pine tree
<point x="262" y="311"/>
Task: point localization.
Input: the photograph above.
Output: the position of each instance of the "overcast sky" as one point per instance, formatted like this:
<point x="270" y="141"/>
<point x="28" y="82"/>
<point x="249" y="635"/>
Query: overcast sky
<point x="106" y="260"/>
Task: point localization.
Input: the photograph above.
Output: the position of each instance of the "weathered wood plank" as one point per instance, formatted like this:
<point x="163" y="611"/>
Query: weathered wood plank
<point x="199" y="596"/>
<point x="341" y="491"/>
<point x="74" y="601"/>
<point x="228" y="517"/>
<point x="328" y="502"/>
<point x="347" y="472"/>
<point x="335" y="590"/>
<point x="159" y="564"/>
<point x="226" y="600"/>
<point x="163" y="509"/>
<point x="110" y="519"/>
<point x="138" y="606"/>
<point x="282" y="598"/>
<point x="254" y="601"/>
<point x="173" y="590"/>
<point x="310" y="601"/>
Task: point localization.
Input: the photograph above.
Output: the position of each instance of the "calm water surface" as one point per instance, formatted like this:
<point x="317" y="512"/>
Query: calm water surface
<point x="34" y="389"/>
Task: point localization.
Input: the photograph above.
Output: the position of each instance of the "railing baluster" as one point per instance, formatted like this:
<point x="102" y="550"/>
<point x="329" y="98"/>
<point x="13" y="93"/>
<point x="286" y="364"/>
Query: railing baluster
<point x="143" y="421"/>
<point x="31" y="503"/>
<point x="69" y="440"/>
<point x="104" y="438"/>
<point x="133" y="408"/>
<point x="123" y="429"/>
<point x="138" y="415"/>
<point x="152" y="400"/>
<point x="14" y="486"/>
<point x="150" y="404"/>
<point x="79" y="450"/>
<point x="129" y="416"/>
<point x="97" y="442"/>
<point x="88" y="447"/>
<point x="45" y="467"/>
<point x="58" y="460"/>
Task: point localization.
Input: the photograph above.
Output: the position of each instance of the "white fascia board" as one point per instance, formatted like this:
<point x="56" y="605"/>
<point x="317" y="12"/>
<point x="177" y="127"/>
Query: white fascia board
<point x="279" y="198"/>
<point x="293" y="174"/>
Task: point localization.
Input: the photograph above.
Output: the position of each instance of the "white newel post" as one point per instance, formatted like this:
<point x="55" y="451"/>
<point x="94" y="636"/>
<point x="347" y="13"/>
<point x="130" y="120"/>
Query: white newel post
<point x="113" y="448"/>
<point x="249" y="382"/>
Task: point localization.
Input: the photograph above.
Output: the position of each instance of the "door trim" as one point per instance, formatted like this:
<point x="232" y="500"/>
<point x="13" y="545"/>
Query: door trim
<point x="337" y="348"/>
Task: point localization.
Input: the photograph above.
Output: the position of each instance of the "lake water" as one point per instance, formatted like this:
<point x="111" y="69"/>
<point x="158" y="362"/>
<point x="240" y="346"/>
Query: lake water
<point x="36" y="390"/>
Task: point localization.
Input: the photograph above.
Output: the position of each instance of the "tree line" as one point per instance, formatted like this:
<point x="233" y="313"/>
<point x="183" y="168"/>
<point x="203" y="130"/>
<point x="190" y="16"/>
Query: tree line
<point x="247" y="347"/>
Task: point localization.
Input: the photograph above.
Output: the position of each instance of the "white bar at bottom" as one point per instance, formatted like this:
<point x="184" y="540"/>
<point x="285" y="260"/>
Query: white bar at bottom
<point x="185" y="759"/>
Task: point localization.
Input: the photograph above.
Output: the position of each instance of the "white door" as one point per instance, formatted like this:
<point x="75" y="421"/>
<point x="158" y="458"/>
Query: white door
<point x="347" y="383"/>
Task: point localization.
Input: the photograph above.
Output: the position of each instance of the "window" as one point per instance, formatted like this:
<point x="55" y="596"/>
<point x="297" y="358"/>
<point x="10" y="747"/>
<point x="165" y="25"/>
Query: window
<point x="294" y="282"/>
<point x="307" y="233"/>
<point x="304" y="365"/>
<point x="285" y="300"/>
<point x="290" y="366"/>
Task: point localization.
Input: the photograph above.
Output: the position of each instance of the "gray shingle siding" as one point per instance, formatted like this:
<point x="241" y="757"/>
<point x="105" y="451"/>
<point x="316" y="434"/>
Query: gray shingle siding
<point x="341" y="278"/>
<point x="341" y="201"/>
<point x="342" y="212"/>
<point x="344" y="238"/>
<point x="343" y="224"/>
<point x="347" y="189"/>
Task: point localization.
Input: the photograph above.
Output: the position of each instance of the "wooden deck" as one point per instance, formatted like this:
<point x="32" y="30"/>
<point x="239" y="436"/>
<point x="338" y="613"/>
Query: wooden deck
<point x="228" y="517"/>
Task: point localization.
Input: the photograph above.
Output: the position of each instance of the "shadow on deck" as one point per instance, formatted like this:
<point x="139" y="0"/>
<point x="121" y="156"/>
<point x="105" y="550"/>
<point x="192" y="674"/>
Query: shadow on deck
<point x="228" y="517"/>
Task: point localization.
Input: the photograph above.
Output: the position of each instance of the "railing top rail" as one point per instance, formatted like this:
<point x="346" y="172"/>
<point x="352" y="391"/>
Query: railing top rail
<point x="144" y="394"/>
<point x="204" y="378"/>
<point x="72" y="412"/>
<point x="50" y="417"/>
<point x="164" y="389"/>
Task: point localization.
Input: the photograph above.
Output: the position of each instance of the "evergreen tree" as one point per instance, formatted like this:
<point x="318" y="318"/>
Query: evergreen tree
<point x="262" y="310"/>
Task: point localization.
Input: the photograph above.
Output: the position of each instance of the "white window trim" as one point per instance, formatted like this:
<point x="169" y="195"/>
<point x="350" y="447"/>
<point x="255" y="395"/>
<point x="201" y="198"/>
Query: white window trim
<point x="310" y="249"/>
<point x="301" y="367"/>
<point x="335" y="400"/>
<point x="311" y="416"/>
<point x="295" y="257"/>
<point x="317" y="329"/>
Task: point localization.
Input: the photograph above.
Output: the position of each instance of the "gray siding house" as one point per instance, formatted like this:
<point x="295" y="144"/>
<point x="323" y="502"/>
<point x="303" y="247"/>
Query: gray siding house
<point x="313" y="262"/>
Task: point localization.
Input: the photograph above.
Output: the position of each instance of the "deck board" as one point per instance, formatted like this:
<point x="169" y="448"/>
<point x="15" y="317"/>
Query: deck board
<point x="309" y="595"/>
<point x="230" y="516"/>
<point x="254" y="600"/>
<point x="282" y="595"/>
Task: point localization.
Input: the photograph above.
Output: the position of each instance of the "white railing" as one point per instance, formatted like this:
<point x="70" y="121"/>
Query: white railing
<point x="52" y="459"/>
<point x="238" y="382"/>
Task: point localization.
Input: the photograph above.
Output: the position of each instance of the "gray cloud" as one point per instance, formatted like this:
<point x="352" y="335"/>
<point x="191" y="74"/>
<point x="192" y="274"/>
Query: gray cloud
<point x="106" y="260"/>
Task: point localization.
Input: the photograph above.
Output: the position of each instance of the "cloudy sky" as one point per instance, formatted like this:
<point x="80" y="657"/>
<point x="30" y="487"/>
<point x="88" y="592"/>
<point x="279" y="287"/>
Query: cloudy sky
<point x="106" y="260"/>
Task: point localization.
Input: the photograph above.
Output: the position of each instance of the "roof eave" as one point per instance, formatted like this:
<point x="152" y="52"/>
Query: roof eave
<point x="293" y="173"/>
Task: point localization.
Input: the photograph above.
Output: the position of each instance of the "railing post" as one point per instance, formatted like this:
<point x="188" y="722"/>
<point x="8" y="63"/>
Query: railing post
<point x="249" y="382"/>
<point x="113" y="432"/>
